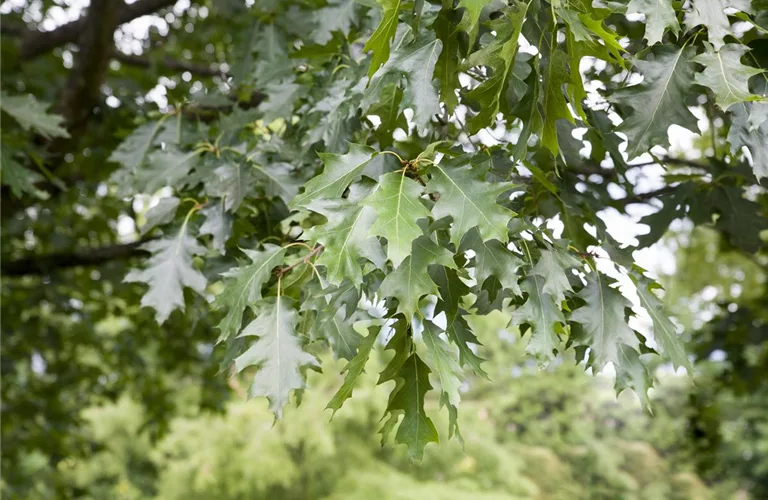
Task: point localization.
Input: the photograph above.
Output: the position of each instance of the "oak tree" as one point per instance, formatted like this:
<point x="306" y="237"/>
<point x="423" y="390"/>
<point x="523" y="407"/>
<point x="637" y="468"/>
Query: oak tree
<point x="348" y="176"/>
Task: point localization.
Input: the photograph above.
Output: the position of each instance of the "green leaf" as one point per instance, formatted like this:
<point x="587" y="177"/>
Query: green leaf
<point x="232" y="182"/>
<point x="345" y="237"/>
<point x="664" y="331"/>
<point x="659" y="101"/>
<point x="673" y="207"/>
<point x="168" y="167"/>
<point x="493" y="258"/>
<point x="575" y="87"/>
<point x="160" y="214"/>
<point x="340" y="333"/>
<point x="356" y="365"/>
<point x="31" y="114"/>
<point x="461" y="334"/>
<point x="397" y="203"/>
<point x="711" y="14"/>
<point x="552" y="266"/>
<point x="725" y="75"/>
<point x="218" y="224"/>
<point x="281" y="97"/>
<point x="278" y="180"/>
<point x="469" y="21"/>
<point x="411" y="281"/>
<point x="415" y="62"/>
<point x="18" y="178"/>
<point x="338" y="16"/>
<point x="749" y="128"/>
<point x="555" y="107"/>
<point x="388" y="110"/>
<point x="243" y="287"/>
<point x="416" y="428"/>
<point x="451" y="289"/>
<point x="441" y="359"/>
<point x="631" y="373"/>
<point x="447" y="66"/>
<point x="277" y="354"/>
<point x="602" y="316"/>
<point x="529" y="112"/>
<point x="595" y="38"/>
<point x="337" y="111"/>
<point x="385" y="32"/>
<point x="469" y="200"/>
<point x="499" y="55"/>
<point x="401" y="343"/>
<point x="540" y="313"/>
<point x="338" y="173"/>
<point x="659" y="16"/>
<point x="133" y="151"/>
<point x="167" y="272"/>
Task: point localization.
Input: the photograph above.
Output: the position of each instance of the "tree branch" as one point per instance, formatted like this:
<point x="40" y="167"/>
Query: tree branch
<point x="96" y="47"/>
<point x="171" y="64"/>
<point x="36" y="43"/>
<point x="643" y="197"/>
<point x="44" y="264"/>
<point x="605" y="173"/>
<point x="609" y="173"/>
<point x="14" y="31"/>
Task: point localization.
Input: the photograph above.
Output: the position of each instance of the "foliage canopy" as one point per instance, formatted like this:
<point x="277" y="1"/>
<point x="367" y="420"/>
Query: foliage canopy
<point x="361" y="172"/>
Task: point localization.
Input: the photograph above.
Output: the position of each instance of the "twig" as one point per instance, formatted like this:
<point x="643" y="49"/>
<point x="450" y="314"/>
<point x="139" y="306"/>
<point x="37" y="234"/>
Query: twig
<point x="644" y="197"/>
<point x="170" y="64"/>
<point x="283" y="270"/>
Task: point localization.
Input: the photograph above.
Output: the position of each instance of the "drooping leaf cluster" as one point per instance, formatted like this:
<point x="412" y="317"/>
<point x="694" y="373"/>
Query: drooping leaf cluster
<point x="408" y="165"/>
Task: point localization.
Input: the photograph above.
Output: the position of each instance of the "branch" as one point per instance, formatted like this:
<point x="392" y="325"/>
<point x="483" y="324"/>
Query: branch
<point x="44" y="264"/>
<point x="605" y="173"/>
<point x="36" y="43"/>
<point x="643" y="197"/>
<point x="171" y="64"/>
<point x="283" y="270"/>
<point x="609" y="173"/>
<point x="96" y="47"/>
<point x="142" y="62"/>
<point x="14" y="31"/>
<point x="681" y="162"/>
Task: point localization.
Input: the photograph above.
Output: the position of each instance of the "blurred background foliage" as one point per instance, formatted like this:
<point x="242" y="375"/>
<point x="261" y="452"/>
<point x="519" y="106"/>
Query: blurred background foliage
<point x="530" y="434"/>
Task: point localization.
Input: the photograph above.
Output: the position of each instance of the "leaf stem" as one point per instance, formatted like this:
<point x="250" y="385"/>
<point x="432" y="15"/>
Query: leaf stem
<point x="183" y="229"/>
<point x="400" y="158"/>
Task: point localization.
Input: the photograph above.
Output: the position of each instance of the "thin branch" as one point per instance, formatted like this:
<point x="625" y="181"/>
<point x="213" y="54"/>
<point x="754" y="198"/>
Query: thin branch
<point x="170" y="64"/>
<point x="681" y="162"/>
<point x="610" y="173"/>
<point x="45" y="264"/>
<point x="605" y="173"/>
<point x="36" y="43"/>
<point x="643" y="197"/>
<point x="464" y="129"/>
<point x="304" y="260"/>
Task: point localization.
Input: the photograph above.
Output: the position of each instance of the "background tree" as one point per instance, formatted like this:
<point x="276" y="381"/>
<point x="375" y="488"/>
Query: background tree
<point x="467" y="152"/>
